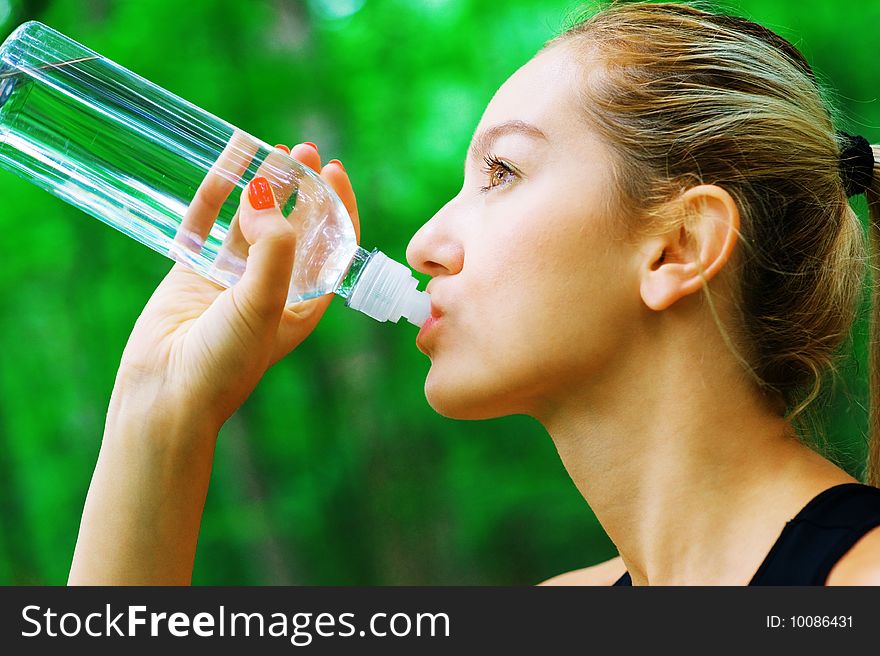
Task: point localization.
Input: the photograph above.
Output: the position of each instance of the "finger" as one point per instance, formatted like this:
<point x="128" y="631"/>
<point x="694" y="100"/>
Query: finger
<point x="262" y="290"/>
<point x="307" y="153"/>
<point x="215" y="188"/>
<point x="335" y="174"/>
<point x="234" y="244"/>
<point x="299" y="319"/>
<point x="277" y="168"/>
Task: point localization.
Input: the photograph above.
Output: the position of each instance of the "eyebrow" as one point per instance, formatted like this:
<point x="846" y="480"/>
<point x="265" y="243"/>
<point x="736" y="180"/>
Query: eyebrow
<point x="483" y="141"/>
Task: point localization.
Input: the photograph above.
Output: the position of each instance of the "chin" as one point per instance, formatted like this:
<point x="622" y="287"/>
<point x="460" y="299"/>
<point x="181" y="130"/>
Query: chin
<point x="466" y="397"/>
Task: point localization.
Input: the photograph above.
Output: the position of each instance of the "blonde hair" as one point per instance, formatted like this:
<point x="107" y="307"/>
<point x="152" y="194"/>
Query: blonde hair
<point x="683" y="96"/>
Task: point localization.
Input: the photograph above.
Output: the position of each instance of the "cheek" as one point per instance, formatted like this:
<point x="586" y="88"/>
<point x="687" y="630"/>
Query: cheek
<point x="513" y="341"/>
<point x="541" y="309"/>
<point x="482" y="354"/>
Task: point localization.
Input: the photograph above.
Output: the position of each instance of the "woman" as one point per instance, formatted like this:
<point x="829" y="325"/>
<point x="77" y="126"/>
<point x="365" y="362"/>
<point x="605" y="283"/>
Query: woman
<point x="652" y="253"/>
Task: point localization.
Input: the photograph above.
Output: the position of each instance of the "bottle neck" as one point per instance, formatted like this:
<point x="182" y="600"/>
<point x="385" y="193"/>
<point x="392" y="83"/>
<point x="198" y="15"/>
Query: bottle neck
<point x="355" y="269"/>
<point x="384" y="289"/>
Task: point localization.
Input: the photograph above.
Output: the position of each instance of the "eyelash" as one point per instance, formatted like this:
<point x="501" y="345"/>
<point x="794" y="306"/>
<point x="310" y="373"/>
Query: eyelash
<point x="493" y="163"/>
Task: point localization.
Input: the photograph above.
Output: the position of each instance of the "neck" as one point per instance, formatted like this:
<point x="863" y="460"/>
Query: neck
<point x="688" y="470"/>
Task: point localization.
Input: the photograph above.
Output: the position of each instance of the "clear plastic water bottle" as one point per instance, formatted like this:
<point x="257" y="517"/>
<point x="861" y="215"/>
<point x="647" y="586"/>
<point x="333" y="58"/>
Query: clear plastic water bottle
<point x="147" y="162"/>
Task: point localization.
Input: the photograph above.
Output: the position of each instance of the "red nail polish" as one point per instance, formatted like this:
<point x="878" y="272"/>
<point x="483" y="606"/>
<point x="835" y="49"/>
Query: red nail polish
<point x="260" y="194"/>
<point x="309" y="143"/>
<point x="283" y="147"/>
<point x="336" y="161"/>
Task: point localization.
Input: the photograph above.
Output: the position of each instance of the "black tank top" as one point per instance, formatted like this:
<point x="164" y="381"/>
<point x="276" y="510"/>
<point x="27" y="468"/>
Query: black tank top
<point x="817" y="537"/>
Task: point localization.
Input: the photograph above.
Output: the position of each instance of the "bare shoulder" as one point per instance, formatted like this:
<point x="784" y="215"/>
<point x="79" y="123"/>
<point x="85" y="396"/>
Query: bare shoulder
<point x="860" y="565"/>
<point x="605" y="573"/>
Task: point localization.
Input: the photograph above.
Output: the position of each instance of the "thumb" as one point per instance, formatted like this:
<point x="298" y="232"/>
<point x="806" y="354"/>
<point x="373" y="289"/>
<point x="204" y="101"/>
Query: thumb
<point x="266" y="279"/>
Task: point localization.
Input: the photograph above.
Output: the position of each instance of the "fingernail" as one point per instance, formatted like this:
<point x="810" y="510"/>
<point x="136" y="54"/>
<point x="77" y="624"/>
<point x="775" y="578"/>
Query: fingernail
<point x="336" y="161"/>
<point x="260" y="194"/>
<point x="309" y="143"/>
<point x="283" y="147"/>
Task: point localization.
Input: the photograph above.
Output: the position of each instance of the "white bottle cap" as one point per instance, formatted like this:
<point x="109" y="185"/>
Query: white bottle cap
<point x="386" y="291"/>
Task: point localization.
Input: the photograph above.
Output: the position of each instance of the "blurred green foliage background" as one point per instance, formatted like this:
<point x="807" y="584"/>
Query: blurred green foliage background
<point x="336" y="471"/>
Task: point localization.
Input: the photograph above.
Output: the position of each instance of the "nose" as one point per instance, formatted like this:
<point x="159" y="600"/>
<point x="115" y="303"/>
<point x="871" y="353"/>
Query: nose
<point x="436" y="249"/>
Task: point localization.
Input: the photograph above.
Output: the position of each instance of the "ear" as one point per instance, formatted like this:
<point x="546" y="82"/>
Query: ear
<point x="706" y="240"/>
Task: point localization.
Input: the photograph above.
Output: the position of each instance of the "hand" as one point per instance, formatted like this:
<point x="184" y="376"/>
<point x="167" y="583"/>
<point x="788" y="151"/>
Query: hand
<point x="199" y="349"/>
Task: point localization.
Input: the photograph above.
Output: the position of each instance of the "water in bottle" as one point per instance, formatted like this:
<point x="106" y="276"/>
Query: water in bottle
<point x="153" y="166"/>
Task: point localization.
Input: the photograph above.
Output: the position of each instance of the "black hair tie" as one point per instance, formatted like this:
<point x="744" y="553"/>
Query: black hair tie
<point x="856" y="164"/>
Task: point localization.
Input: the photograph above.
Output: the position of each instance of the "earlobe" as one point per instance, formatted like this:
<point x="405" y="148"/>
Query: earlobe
<point x="706" y="242"/>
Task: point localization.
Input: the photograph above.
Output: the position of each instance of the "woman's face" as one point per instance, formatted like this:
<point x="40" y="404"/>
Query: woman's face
<point x="531" y="290"/>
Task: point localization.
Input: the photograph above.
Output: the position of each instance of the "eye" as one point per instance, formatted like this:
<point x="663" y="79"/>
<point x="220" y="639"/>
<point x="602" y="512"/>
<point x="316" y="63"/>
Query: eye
<point x="499" y="173"/>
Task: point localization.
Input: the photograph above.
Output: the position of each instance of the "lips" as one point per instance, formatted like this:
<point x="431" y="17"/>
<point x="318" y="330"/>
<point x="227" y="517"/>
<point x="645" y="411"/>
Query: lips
<point x="429" y="325"/>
